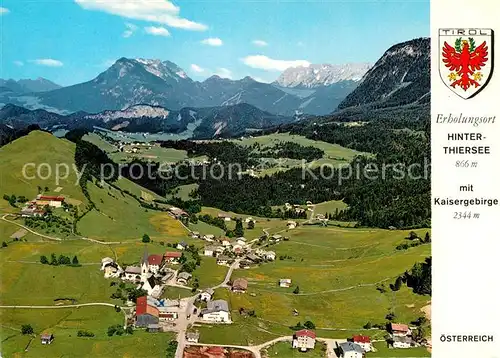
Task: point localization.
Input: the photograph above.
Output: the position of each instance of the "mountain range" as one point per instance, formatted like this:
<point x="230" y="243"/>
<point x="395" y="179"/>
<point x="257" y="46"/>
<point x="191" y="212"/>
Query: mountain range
<point x="27" y="85"/>
<point x="208" y="122"/>
<point x="162" y="83"/>
<point x="154" y="96"/>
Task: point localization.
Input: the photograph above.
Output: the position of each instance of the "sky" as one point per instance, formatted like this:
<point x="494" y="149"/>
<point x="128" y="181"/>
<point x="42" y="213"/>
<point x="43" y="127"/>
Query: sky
<point x="72" y="41"/>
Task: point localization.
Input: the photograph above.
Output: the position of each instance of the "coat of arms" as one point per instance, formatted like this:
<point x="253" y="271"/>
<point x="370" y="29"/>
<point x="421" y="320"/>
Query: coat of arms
<point x="466" y="59"/>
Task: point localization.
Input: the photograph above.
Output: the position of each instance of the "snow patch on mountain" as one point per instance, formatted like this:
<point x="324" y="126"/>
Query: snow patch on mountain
<point x="131" y="112"/>
<point x="322" y="75"/>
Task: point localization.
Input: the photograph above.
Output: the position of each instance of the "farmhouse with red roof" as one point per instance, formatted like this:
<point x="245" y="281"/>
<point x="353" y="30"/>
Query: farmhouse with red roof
<point x="304" y="340"/>
<point x="364" y="342"/>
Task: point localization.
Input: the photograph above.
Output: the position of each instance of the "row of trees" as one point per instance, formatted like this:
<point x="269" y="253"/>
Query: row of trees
<point x="61" y="260"/>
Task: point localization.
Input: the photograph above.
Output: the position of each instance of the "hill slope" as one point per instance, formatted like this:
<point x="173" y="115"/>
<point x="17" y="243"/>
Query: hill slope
<point x="118" y="216"/>
<point x="401" y="76"/>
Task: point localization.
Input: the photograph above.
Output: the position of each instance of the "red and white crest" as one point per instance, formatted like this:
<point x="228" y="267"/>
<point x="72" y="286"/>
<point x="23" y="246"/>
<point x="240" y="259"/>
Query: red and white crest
<point x="466" y="59"/>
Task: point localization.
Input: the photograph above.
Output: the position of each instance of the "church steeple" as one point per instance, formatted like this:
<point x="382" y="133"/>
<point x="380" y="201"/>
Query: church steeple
<point x="145" y="261"/>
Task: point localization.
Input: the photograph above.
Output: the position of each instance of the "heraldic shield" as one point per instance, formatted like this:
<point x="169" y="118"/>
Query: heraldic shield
<point x="466" y="60"/>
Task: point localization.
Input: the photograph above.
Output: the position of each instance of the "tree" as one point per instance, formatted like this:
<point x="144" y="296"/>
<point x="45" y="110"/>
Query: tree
<point x="297" y="290"/>
<point x="53" y="260"/>
<point x="251" y="225"/>
<point x="44" y="260"/>
<point x="427" y="238"/>
<point x="4" y="244"/>
<point x="146" y="238"/>
<point x="46" y="189"/>
<point x="75" y="260"/>
<point x="309" y="325"/>
<point x="238" y="230"/>
<point x="26" y="329"/>
<point x="111" y="330"/>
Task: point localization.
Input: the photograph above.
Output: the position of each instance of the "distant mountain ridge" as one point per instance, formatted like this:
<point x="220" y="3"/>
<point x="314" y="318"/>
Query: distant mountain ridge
<point x="319" y="75"/>
<point x="209" y="122"/>
<point x="162" y="83"/>
<point x="28" y="85"/>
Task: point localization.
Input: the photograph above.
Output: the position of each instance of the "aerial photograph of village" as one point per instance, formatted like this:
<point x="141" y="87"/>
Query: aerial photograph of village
<point x="214" y="179"/>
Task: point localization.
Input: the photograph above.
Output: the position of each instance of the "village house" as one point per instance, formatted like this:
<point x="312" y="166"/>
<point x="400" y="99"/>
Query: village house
<point x="145" y="314"/>
<point x="285" y="282"/>
<point x="207" y="295"/>
<point x="249" y="219"/>
<point x="168" y="309"/>
<point x="223" y="260"/>
<point x="364" y="342"/>
<point x="209" y="238"/>
<point x="110" y="268"/>
<point x="182" y="246"/>
<point x="224" y="216"/>
<point x="401" y="342"/>
<point x="32" y="211"/>
<point x="276" y="238"/>
<point x="152" y="286"/>
<point x="155" y="262"/>
<point x="240" y="285"/>
<point x="225" y="242"/>
<point x="53" y="201"/>
<point x="46" y="338"/>
<point x="195" y="235"/>
<point x="172" y="257"/>
<point x="132" y="273"/>
<point x="291" y="224"/>
<point x="237" y="248"/>
<point x="288" y="206"/>
<point x="253" y="258"/>
<point x="270" y="255"/>
<point x="183" y="278"/>
<point x="304" y="340"/>
<point x="241" y="241"/>
<point x="350" y="350"/>
<point x="400" y="330"/>
<point x="216" y="311"/>
<point x="178" y="213"/>
<point x="193" y="337"/>
<point x="210" y="250"/>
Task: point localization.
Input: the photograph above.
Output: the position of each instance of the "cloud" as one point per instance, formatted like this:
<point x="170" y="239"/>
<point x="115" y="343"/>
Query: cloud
<point x="157" y="31"/>
<point x="260" y="43"/>
<point x="49" y="62"/>
<point x="223" y="72"/>
<point x="212" y="41"/>
<point x="159" y="11"/>
<point x="196" y="68"/>
<point x="19" y="63"/>
<point x="3" y="10"/>
<point x="300" y="44"/>
<point x="265" y="63"/>
<point x="131" y="28"/>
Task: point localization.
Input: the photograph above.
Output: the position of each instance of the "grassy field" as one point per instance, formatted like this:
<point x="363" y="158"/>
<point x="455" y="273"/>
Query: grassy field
<point x="47" y="152"/>
<point x="65" y="323"/>
<point x="183" y="191"/>
<point x="337" y="271"/>
<point x="383" y="351"/>
<point x="285" y="350"/>
<point x="154" y="153"/>
<point x="334" y="153"/>
<point x="270" y="225"/>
